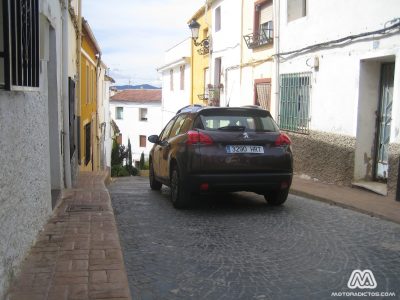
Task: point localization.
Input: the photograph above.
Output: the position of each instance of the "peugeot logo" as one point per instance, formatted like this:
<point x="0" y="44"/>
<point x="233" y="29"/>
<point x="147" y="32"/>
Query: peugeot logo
<point x="245" y="135"/>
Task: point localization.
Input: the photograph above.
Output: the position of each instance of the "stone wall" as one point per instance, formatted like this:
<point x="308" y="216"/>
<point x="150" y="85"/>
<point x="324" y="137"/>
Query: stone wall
<point x="325" y="156"/>
<point x="394" y="158"/>
<point x="330" y="158"/>
<point x="25" y="198"/>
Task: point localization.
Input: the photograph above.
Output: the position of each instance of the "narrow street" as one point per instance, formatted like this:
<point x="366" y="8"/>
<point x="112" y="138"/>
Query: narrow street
<point x="235" y="246"/>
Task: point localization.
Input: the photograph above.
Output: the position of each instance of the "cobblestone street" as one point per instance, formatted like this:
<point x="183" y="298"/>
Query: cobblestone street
<point x="235" y="246"/>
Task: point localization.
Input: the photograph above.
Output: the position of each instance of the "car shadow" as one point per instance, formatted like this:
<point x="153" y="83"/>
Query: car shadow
<point x="238" y="202"/>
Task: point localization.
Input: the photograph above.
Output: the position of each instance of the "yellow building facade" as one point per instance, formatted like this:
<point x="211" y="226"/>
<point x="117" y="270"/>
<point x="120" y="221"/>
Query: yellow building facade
<point x="200" y="61"/>
<point x="90" y="54"/>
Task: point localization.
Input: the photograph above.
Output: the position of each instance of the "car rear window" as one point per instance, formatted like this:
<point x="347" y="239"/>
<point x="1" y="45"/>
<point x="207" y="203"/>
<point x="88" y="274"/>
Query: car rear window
<point x="236" y="121"/>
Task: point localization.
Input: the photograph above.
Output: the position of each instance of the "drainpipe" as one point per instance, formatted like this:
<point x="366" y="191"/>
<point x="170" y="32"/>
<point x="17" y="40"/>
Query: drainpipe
<point x="65" y="100"/>
<point x="276" y="43"/>
<point x="398" y="183"/>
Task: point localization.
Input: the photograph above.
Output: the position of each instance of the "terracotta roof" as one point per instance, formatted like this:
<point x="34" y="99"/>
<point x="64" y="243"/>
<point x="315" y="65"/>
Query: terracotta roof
<point x="138" y="96"/>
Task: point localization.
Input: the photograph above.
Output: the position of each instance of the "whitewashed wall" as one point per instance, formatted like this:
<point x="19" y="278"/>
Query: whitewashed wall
<point x="173" y="100"/>
<point x="226" y="44"/>
<point x="335" y="86"/>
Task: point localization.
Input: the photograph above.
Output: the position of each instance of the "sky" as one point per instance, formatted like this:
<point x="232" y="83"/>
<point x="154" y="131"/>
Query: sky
<point x="134" y="34"/>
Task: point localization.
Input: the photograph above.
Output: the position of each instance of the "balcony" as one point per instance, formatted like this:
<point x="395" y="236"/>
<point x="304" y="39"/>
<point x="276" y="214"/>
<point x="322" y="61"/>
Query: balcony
<point x="258" y="39"/>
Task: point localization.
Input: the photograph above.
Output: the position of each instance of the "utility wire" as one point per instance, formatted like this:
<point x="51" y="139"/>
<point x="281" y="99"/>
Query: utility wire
<point x="345" y="39"/>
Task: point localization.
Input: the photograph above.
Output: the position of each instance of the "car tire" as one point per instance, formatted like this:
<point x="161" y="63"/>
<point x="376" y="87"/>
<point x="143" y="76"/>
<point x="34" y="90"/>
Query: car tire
<point x="155" y="185"/>
<point x="276" y="197"/>
<point x="180" y="196"/>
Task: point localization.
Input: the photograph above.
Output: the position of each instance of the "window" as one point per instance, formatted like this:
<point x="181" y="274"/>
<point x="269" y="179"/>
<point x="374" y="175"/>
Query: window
<point x="19" y="44"/>
<point x="296" y="9"/>
<point x="294" y="103"/>
<point x="182" y="71"/>
<point x="143" y="114"/>
<point x="263" y="25"/>
<point x="93" y="86"/>
<point x="119" y="113"/>
<point x="164" y="135"/>
<point x="87" y="143"/>
<point x="218" y="19"/>
<point x="177" y="126"/>
<point x="171" y="79"/>
<point x="259" y="121"/>
<point x="142" y="141"/>
<point x="217" y="72"/>
<point x="87" y="84"/>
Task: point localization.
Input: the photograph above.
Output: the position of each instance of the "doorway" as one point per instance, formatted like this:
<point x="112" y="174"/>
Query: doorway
<point x="374" y="118"/>
<point x="384" y="117"/>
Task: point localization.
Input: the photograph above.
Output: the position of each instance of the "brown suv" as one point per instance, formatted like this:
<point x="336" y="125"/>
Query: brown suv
<point x="221" y="149"/>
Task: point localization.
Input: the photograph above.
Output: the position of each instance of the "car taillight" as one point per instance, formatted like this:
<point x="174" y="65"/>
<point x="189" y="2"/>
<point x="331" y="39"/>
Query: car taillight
<point x="195" y="137"/>
<point x="282" y="140"/>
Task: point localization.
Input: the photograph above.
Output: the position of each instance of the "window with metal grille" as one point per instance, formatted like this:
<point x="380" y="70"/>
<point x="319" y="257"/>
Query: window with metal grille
<point x="294" y="108"/>
<point x="19" y="48"/>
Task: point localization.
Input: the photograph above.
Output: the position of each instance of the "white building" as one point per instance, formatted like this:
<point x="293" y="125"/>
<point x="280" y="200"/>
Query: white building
<point x="225" y="58"/>
<point x="176" y="79"/>
<point x="340" y="83"/>
<point x="137" y="114"/>
<point x="37" y="113"/>
<point x="104" y="117"/>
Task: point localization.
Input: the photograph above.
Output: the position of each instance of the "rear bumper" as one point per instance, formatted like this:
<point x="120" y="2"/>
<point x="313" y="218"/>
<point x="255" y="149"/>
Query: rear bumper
<point x="254" y="182"/>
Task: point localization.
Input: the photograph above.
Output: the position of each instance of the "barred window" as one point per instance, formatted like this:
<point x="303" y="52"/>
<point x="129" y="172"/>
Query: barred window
<point x="294" y="108"/>
<point x="19" y="44"/>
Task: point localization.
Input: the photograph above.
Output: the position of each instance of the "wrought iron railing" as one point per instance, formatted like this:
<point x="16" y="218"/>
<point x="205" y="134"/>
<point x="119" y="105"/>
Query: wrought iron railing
<point x="258" y="39"/>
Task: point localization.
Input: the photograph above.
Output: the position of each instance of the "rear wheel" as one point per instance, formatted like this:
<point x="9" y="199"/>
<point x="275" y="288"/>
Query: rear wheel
<point x="180" y="196"/>
<point x="276" y="197"/>
<point x="154" y="183"/>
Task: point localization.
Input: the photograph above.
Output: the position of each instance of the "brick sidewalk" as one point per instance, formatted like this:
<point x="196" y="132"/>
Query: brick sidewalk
<point x="78" y="253"/>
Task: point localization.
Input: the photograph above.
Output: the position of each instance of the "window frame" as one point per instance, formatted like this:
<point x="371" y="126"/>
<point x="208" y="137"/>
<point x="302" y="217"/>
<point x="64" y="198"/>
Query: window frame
<point x="141" y="109"/>
<point x="218" y="21"/>
<point x="117" y="115"/>
<point x="140" y="141"/>
<point x="302" y="14"/>
<point x="182" y="77"/>
<point x="171" y="79"/>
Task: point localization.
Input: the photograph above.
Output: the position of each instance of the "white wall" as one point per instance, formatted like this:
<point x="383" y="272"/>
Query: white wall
<point x="131" y="127"/>
<point x="173" y="100"/>
<point x="226" y="45"/>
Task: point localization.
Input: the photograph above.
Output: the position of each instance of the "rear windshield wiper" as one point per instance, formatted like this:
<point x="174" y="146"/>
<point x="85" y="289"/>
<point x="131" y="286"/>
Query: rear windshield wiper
<point x="232" y="128"/>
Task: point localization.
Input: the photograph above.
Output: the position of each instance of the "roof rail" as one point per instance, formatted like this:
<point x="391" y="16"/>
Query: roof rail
<point x="190" y="108"/>
<point x="252" y="106"/>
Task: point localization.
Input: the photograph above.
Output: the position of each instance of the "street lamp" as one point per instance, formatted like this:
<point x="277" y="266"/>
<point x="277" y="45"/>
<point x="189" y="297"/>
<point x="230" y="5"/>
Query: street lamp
<point x="204" y="44"/>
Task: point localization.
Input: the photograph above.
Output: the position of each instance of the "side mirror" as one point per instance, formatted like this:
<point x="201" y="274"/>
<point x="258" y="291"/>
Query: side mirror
<point x="153" y="139"/>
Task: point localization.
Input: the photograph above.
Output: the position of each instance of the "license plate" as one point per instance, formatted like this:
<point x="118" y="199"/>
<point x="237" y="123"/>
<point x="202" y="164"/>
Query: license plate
<point x="244" y="149"/>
